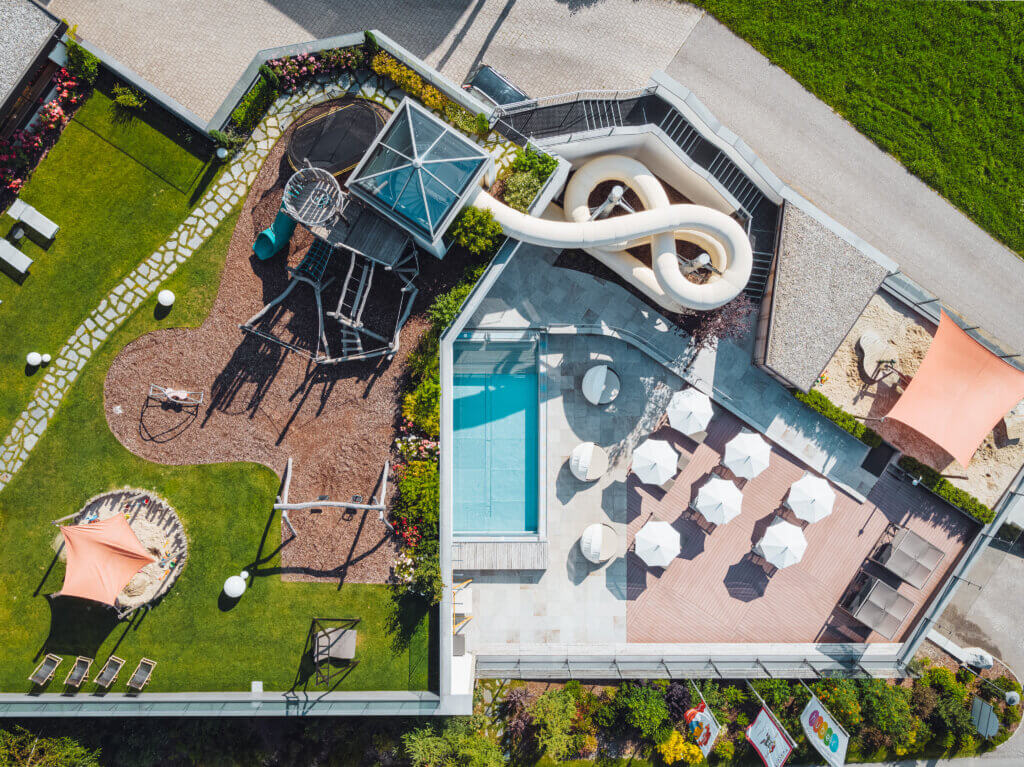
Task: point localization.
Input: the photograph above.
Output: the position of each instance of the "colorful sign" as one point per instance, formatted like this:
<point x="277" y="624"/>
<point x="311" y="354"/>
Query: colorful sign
<point x="824" y="733"/>
<point x="703" y="727"/>
<point x="769" y="740"/>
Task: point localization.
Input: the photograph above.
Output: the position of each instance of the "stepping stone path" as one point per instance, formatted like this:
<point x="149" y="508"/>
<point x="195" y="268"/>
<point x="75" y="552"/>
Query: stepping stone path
<point x="147" y="277"/>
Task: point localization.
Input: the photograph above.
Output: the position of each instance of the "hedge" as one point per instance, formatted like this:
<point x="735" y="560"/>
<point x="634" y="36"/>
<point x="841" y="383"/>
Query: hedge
<point x="943" y="488"/>
<point x="822" y="404"/>
<point x="254" y="105"/>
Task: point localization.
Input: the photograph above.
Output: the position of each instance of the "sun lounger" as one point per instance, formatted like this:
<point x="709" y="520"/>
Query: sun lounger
<point x="33" y="221"/>
<point x="108" y="674"/>
<point x="45" y="670"/>
<point x="78" y="672"/>
<point x="141" y="675"/>
<point x="13" y="260"/>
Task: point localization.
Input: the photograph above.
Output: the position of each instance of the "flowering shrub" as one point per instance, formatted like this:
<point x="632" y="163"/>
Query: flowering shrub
<point x="23" y="149"/>
<point x="295" y="71"/>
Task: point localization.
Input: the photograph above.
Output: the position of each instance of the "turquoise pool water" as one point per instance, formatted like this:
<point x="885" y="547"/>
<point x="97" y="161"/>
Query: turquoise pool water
<point x="496" y="436"/>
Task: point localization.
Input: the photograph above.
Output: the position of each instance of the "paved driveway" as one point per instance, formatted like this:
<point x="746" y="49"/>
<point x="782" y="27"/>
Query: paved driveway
<point x="827" y="161"/>
<point x="195" y="51"/>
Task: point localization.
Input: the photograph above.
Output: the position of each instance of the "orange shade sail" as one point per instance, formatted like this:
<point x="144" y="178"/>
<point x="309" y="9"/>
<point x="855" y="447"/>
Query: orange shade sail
<point x="102" y="557"/>
<point x="959" y="393"/>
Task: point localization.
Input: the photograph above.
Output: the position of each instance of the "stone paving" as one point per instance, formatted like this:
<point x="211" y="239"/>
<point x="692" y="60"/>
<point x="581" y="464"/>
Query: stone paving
<point x="227" y="192"/>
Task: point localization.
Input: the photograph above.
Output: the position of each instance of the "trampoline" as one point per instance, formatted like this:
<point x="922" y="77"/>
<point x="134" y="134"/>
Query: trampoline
<point x="337" y="139"/>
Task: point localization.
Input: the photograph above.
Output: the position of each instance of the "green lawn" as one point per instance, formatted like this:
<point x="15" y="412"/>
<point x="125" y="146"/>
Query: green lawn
<point x="227" y="513"/>
<point x="937" y="84"/>
<point x="113" y="212"/>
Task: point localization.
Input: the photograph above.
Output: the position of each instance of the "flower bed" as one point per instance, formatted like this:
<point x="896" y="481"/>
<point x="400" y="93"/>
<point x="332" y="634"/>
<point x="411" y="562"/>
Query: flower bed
<point x="819" y="402"/>
<point x="22" y="151"/>
<point x="943" y="488"/>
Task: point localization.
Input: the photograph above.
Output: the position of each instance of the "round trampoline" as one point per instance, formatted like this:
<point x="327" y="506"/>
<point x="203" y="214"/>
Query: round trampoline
<point x="335" y="140"/>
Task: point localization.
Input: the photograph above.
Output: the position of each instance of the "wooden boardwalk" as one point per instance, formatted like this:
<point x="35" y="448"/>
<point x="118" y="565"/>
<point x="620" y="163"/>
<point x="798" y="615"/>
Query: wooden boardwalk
<point x="713" y="592"/>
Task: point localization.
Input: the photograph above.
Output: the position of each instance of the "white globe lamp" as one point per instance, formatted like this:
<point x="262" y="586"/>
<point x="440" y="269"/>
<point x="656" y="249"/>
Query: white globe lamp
<point x="165" y="298"/>
<point x="46" y="359"/>
<point x="234" y="586"/>
<point x="34" y="359"/>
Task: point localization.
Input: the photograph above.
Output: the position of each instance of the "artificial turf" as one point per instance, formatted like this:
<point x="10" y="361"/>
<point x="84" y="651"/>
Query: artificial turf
<point x="937" y="84"/>
<point x="113" y="212"/>
<point x="198" y="643"/>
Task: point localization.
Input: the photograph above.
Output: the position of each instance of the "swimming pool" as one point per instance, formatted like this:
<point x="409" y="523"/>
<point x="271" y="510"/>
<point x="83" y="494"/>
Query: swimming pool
<point x="495" y="456"/>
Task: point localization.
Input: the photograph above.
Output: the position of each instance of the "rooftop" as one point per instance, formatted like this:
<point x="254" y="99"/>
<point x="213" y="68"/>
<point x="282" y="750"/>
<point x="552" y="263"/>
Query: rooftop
<point x="822" y="284"/>
<point x="24" y="27"/>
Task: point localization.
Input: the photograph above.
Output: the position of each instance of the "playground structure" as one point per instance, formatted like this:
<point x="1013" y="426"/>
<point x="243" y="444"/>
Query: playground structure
<point x="727" y="252"/>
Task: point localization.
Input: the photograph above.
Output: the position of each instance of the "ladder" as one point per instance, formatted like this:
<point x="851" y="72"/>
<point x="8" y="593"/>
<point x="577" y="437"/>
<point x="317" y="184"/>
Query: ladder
<point x="355" y="292"/>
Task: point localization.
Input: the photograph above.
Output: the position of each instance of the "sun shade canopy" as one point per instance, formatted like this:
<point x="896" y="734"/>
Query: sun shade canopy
<point x="959" y="393"/>
<point x="102" y="557"/>
<point x="419" y="171"/>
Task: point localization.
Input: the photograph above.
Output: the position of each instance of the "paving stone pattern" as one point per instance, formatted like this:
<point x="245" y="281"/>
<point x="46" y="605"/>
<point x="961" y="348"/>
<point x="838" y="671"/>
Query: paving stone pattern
<point x="147" y="277"/>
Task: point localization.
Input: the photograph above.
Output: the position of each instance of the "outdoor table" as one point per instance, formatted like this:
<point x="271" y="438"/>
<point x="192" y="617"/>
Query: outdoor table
<point x="588" y="462"/>
<point x="600" y="385"/>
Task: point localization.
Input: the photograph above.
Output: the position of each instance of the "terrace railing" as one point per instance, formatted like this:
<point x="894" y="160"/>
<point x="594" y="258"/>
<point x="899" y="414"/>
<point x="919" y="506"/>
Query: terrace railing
<point x="571" y="98"/>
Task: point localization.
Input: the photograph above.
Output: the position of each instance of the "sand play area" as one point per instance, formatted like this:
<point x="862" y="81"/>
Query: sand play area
<point x="909" y="336"/>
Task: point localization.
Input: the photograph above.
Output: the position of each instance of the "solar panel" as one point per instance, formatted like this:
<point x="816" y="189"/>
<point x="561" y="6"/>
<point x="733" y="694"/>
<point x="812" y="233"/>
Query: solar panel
<point x="984" y="718"/>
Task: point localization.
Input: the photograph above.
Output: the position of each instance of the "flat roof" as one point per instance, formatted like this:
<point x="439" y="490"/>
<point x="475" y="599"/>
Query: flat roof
<point x="24" y="27"/>
<point x="822" y="284"/>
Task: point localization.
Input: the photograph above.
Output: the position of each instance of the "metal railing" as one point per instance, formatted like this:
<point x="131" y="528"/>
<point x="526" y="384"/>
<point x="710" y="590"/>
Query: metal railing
<point x="571" y="98"/>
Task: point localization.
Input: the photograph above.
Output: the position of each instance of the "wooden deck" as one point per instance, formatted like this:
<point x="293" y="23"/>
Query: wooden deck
<point x="714" y="592"/>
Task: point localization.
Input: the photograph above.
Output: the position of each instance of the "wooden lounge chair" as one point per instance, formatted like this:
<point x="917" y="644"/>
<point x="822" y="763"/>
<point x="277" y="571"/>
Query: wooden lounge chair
<point x="78" y="672"/>
<point x="45" y="670"/>
<point x="140" y="677"/>
<point x="108" y="674"/>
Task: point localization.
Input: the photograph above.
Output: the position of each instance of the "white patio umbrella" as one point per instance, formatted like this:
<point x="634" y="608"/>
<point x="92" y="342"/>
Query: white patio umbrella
<point x="811" y="498"/>
<point x="783" y="544"/>
<point x="746" y="455"/>
<point x="719" y="500"/>
<point x="657" y="544"/>
<point x="654" y="461"/>
<point x="689" y="411"/>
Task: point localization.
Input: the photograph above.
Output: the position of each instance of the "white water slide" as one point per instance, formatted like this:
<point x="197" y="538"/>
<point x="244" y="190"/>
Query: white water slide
<point x="659" y="225"/>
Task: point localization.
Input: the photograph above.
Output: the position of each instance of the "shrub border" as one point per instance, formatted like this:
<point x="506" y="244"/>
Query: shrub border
<point x="821" y="404"/>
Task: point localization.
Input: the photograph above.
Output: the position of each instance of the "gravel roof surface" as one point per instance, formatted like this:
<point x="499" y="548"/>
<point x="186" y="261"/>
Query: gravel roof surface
<point x="822" y="284"/>
<point x="24" y="28"/>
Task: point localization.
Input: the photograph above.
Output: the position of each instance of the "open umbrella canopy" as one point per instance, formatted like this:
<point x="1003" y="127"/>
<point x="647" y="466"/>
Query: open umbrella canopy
<point x="654" y="461"/>
<point x="746" y="455"/>
<point x="811" y="498"/>
<point x="102" y="557"/>
<point x="719" y="500"/>
<point x="657" y="544"/>
<point x="783" y="544"/>
<point x="689" y="411"/>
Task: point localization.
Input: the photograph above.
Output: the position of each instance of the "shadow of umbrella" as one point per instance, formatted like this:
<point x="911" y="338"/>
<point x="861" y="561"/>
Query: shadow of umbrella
<point x="78" y="626"/>
<point x="746" y="581"/>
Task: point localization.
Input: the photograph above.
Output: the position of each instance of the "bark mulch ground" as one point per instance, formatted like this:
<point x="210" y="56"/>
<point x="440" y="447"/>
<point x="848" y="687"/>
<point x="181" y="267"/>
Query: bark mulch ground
<point x="266" y="404"/>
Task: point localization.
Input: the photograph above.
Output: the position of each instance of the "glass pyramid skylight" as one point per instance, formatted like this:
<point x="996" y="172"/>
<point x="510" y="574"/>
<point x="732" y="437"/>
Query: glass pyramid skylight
<point x="419" y="170"/>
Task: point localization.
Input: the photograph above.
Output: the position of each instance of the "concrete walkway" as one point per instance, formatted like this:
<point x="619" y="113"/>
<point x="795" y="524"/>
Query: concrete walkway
<point x="195" y="51"/>
<point x="827" y="161"/>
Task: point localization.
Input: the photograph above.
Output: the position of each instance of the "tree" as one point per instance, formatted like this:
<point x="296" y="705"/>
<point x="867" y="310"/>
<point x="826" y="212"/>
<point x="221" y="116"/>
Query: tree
<point x="642" y="707"/>
<point x="554" y="712"/>
<point x="21" y="747"/>
<point x="729" y="322"/>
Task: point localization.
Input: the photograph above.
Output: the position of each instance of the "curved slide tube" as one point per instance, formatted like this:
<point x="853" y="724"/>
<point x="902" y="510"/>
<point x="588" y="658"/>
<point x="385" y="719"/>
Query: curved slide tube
<point x="270" y="241"/>
<point x="659" y="225"/>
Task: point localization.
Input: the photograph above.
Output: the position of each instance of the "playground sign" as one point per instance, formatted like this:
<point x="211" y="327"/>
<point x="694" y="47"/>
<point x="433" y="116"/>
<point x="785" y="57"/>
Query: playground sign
<point x="767" y="737"/>
<point x="824" y="732"/>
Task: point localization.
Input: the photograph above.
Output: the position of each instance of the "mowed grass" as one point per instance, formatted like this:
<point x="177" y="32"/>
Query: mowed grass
<point x="113" y="212"/>
<point x="937" y="84"/>
<point x="226" y="510"/>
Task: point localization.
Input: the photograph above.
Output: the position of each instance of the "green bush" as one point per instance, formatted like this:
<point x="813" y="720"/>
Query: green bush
<point x="520" y="190"/>
<point x="254" y="105"/>
<point x="271" y="77"/>
<point x="460" y="742"/>
<point x="81" y="63"/>
<point x="21" y="747"/>
<point x="887" y="708"/>
<point x="476" y="230"/>
<point x="482" y="124"/>
<point x="839" y="696"/>
<point x="536" y="163"/>
<point x="422" y="406"/>
<point x="944" y="489"/>
<point x="554" y="712"/>
<point x="724" y="751"/>
<point x="446" y="306"/>
<point x="817" y="401"/>
<point x="128" y="98"/>
<point x="642" y="707"/>
<point x="227" y="139"/>
<point x="417" y="498"/>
